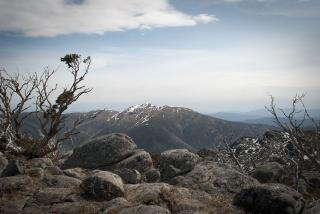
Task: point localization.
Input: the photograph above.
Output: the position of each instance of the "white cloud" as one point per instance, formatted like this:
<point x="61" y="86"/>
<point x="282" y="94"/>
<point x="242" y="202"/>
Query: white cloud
<point x="201" y="79"/>
<point x="60" y="17"/>
<point x="205" y="18"/>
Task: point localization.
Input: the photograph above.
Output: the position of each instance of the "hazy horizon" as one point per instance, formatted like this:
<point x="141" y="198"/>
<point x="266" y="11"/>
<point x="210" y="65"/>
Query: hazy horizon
<point x="256" y="112"/>
<point x="207" y="55"/>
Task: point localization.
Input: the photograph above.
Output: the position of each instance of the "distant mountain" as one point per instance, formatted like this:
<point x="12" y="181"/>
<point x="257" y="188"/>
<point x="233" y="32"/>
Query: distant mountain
<point x="262" y="116"/>
<point x="264" y="113"/>
<point x="232" y="116"/>
<point x="157" y="128"/>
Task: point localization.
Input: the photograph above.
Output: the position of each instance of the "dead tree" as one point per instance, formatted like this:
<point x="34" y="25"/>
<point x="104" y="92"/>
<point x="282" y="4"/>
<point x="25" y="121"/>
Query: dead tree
<point x="16" y="94"/>
<point x="304" y="147"/>
<point x="51" y="113"/>
<point x="16" y="91"/>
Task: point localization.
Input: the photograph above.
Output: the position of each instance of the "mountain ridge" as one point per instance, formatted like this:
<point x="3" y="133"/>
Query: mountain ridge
<point x="159" y="128"/>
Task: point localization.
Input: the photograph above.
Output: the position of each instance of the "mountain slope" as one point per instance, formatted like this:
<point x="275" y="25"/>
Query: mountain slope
<point x="156" y="129"/>
<point x="160" y="128"/>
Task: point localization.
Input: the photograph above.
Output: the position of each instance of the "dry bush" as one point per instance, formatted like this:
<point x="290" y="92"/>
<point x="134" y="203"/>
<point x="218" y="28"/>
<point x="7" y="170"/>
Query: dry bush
<point x="302" y="150"/>
<point x="16" y="92"/>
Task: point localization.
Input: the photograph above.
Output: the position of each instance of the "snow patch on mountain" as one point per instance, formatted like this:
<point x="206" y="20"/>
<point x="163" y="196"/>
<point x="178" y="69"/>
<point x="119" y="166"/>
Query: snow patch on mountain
<point x="142" y="113"/>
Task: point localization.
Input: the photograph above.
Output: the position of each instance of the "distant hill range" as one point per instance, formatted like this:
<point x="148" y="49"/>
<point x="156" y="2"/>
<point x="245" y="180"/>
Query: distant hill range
<point x="262" y="116"/>
<point x="156" y="129"/>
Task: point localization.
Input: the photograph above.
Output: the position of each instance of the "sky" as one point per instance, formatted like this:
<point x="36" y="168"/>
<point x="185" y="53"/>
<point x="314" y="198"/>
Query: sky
<point x="208" y="55"/>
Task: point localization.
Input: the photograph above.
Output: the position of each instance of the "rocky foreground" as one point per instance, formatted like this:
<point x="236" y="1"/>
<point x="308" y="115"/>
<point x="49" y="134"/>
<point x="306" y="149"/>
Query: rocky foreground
<point x="111" y="175"/>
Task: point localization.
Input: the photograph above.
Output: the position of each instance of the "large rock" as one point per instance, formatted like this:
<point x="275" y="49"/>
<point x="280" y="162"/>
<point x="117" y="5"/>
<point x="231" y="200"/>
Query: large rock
<point x="61" y="181"/>
<point x="103" y="185"/>
<point x="210" y="177"/>
<point x="140" y="160"/>
<point x="270" y="199"/>
<point x="270" y="172"/>
<point x="15" y="183"/>
<point x="102" y="151"/>
<point x="13" y="168"/>
<point x="176" y="162"/>
<point x="129" y="176"/>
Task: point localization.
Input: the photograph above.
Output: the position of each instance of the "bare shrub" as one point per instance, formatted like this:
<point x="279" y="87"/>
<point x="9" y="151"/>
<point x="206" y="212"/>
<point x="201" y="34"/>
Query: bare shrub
<point x="16" y="92"/>
<point x="301" y="147"/>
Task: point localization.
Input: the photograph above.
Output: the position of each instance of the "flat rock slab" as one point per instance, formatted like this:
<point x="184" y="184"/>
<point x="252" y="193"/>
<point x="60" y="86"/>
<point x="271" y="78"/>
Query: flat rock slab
<point x="176" y="199"/>
<point x="143" y="209"/>
<point x="211" y="178"/>
<point x="49" y="196"/>
<point x="61" y="181"/>
<point x="82" y="207"/>
<point x="15" y="183"/>
<point x="115" y="205"/>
